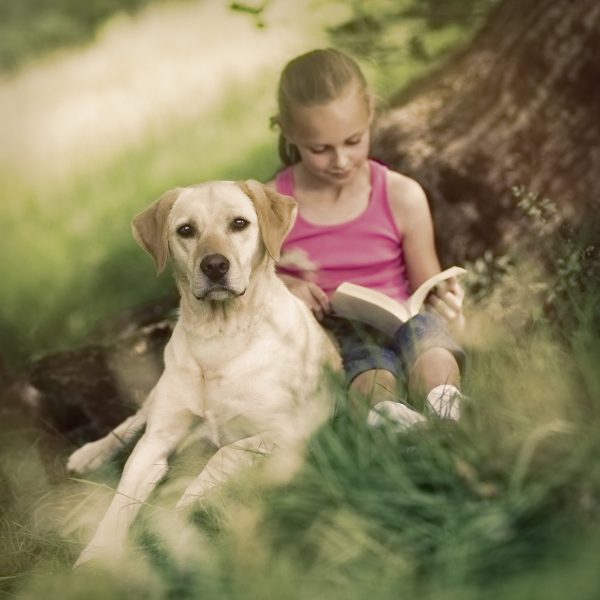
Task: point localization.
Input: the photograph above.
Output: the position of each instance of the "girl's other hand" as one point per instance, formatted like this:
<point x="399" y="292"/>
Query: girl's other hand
<point x="311" y="294"/>
<point x="446" y="301"/>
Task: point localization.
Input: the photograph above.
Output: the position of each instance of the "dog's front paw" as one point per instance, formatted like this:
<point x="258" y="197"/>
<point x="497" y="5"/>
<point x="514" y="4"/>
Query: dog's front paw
<point x="96" y="552"/>
<point x="186" y="501"/>
<point x="86" y="556"/>
<point x="194" y="493"/>
<point x="88" y="457"/>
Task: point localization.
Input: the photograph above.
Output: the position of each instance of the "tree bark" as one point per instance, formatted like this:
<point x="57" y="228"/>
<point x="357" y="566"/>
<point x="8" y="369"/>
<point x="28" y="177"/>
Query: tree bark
<point x="519" y="107"/>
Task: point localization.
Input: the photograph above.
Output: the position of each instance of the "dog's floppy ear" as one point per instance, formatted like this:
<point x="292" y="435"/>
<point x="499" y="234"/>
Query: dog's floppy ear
<point x="150" y="228"/>
<point x="276" y="214"/>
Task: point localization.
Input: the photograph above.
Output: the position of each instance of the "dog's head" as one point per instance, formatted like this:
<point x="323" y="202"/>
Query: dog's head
<point x="217" y="233"/>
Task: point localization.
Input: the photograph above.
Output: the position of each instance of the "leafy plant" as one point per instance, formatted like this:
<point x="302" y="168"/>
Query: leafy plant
<point x="399" y="36"/>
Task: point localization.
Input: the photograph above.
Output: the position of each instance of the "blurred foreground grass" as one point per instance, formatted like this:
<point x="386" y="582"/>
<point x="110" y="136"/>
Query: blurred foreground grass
<point x="504" y="504"/>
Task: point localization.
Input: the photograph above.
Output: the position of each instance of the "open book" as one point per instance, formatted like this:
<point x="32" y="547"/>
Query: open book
<point x="380" y="311"/>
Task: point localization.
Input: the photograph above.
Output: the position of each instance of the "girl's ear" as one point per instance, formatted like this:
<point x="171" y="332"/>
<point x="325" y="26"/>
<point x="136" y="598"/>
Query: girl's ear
<point x="288" y="152"/>
<point x="276" y="214"/>
<point x="150" y="228"/>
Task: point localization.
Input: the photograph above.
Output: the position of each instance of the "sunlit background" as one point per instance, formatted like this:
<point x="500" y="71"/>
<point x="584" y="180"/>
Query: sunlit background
<point x="98" y="124"/>
<point x="175" y="93"/>
<point x="145" y="74"/>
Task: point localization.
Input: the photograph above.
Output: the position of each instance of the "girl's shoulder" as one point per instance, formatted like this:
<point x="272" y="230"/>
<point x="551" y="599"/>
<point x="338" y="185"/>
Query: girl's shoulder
<point x="282" y="181"/>
<point x="406" y="196"/>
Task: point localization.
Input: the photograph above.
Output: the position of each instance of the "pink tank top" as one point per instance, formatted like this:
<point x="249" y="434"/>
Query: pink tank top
<point x="366" y="250"/>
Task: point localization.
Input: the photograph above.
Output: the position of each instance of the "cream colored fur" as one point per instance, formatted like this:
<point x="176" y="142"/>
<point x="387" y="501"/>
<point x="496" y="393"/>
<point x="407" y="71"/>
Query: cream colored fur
<point x="246" y="356"/>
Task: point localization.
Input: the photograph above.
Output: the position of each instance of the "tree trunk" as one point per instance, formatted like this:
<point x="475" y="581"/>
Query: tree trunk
<point x="519" y="107"/>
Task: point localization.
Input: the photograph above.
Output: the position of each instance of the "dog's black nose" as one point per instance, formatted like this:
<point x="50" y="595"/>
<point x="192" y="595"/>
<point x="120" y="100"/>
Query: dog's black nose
<point x="214" y="266"/>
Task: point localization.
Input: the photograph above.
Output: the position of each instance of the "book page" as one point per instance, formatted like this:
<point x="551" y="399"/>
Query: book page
<point x="357" y="302"/>
<point x="415" y="302"/>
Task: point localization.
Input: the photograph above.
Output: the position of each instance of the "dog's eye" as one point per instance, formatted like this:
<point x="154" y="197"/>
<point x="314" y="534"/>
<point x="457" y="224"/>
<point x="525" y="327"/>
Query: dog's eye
<point x="238" y="224"/>
<point x="185" y="231"/>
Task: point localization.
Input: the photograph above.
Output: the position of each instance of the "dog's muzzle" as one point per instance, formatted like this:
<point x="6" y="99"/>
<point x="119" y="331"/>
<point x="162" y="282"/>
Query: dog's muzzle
<point x="215" y="269"/>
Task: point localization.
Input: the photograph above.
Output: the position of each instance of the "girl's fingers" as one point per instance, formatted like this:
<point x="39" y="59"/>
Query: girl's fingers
<point x="442" y="309"/>
<point x="448" y="306"/>
<point x="314" y="297"/>
<point x="311" y="294"/>
<point x="320" y="300"/>
<point x="453" y="301"/>
<point x="450" y="309"/>
<point x="455" y="288"/>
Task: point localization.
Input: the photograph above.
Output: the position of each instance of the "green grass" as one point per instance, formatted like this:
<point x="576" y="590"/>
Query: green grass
<point x="504" y="504"/>
<point x="70" y="257"/>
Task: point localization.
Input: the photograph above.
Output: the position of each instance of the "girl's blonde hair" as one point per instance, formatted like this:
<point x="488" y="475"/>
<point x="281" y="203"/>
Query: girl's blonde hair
<point x="316" y="77"/>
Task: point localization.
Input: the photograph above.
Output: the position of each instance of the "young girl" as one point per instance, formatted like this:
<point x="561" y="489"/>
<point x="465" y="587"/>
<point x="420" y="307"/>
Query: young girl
<point x="360" y="222"/>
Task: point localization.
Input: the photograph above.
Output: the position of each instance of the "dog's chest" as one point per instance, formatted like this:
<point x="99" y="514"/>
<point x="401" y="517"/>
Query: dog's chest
<point x="269" y="363"/>
<point x="243" y="372"/>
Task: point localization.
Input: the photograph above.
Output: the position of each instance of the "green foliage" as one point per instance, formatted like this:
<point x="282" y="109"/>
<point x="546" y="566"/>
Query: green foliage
<point x="570" y="256"/>
<point x="552" y="269"/>
<point x="30" y="28"/>
<point x="401" y="37"/>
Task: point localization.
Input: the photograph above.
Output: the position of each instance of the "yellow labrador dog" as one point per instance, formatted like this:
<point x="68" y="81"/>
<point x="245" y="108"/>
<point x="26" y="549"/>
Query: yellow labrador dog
<point x="246" y="356"/>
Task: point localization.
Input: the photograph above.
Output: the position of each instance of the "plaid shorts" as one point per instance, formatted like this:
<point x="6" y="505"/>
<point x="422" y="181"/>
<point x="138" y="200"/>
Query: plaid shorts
<point x="364" y="348"/>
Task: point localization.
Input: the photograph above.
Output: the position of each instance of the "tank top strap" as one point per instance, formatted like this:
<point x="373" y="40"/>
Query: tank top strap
<point x="378" y="183"/>
<point x="284" y="182"/>
<point x="380" y="203"/>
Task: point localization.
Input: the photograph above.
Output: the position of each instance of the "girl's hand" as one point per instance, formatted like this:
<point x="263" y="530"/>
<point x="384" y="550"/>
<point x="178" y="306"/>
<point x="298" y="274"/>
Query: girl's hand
<point x="311" y="294"/>
<point x="446" y="302"/>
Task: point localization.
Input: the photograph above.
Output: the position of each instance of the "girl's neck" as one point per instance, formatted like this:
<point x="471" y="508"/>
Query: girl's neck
<point x="307" y="184"/>
<point x="324" y="203"/>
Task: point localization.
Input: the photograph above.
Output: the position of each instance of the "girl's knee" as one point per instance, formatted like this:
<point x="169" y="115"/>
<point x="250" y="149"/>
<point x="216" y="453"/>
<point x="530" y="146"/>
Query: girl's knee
<point x="367" y="382"/>
<point x="436" y="356"/>
<point x="435" y="366"/>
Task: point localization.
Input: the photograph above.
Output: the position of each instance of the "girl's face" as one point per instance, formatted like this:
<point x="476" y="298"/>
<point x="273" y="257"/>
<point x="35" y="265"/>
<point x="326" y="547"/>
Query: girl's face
<point x="333" y="138"/>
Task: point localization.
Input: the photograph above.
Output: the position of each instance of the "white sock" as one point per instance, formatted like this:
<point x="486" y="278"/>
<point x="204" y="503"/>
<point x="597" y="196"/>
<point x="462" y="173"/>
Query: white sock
<point x="397" y="415"/>
<point x="444" y="401"/>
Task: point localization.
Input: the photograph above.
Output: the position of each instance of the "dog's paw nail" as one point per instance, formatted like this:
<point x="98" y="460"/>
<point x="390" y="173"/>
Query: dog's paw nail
<point x="184" y="503"/>
<point x="188" y="499"/>
<point x="75" y="465"/>
<point x="85" y="459"/>
<point x="94" y="552"/>
<point x="85" y="557"/>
